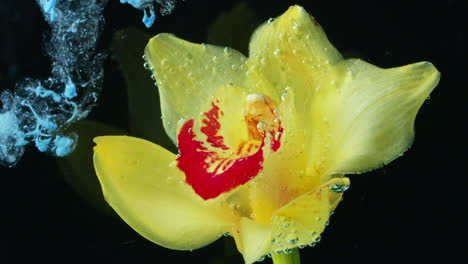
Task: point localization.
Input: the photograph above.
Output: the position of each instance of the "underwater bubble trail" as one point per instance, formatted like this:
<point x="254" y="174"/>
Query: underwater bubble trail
<point x="147" y="6"/>
<point x="38" y="111"/>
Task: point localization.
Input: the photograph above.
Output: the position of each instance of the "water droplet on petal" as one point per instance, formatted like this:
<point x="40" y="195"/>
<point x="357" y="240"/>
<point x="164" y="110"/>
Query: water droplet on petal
<point x="270" y="20"/>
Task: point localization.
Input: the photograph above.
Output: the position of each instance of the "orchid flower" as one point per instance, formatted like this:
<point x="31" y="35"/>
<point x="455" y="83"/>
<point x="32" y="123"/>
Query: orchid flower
<point x="264" y="142"/>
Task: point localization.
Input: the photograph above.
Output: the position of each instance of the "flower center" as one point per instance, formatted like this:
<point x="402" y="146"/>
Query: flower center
<point x="210" y="166"/>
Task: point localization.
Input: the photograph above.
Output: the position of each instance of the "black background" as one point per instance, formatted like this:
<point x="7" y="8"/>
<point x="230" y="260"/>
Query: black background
<point x="414" y="210"/>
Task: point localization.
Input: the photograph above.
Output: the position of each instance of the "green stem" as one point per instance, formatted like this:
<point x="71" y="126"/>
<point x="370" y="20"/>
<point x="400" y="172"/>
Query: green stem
<point x="292" y="258"/>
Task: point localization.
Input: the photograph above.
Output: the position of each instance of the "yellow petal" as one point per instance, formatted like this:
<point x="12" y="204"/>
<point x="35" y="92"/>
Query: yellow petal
<point x="367" y="119"/>
<point x="142" y="185"/>
<point x="253" y="239"/>
<point x="301" y="222"/>
<point x="188" y="74"/>
<point x="292" y="52"/>
<point x="283" y="177"/>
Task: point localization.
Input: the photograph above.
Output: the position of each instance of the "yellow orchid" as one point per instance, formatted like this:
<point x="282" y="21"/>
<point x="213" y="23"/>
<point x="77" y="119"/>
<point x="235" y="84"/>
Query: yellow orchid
<point x="264" y="142"/>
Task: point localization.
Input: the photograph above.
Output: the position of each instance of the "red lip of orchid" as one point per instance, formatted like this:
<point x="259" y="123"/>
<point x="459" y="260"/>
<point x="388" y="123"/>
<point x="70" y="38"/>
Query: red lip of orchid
<point x="211" y="167"/>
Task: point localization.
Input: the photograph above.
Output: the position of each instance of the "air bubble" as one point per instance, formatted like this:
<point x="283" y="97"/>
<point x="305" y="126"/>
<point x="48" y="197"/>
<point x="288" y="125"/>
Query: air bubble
<point x="295" y="27"/>
<point x="339" y="188"/>
<point x="292" y="241"/>
<point x="227" y="51"/>
<point x="262" y="127"/>
<point x="283" y="96"/>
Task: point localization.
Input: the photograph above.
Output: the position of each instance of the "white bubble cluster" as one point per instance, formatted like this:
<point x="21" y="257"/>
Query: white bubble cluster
<point x="165" y="8"/>
<point x="38" y="111"/>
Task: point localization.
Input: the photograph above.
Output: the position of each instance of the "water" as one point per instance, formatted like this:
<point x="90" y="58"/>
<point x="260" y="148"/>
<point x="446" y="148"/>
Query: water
<point x="383" y="214"/>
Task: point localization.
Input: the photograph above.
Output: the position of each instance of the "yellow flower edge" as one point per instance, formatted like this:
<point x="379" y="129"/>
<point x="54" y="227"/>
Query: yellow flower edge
<point x="340" y="116"/>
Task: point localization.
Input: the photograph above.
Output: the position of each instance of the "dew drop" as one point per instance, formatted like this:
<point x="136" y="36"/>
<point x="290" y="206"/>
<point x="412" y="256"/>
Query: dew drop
<point x="270" y="20"/>
<point x="143" y="57"/>
<point x="287" y="250"/>
<point x="234" y="67"/>
<point x="226" y="234"/>
<point x="152" y="77"/>
<point x="276" y="52"/>
<point x="261" y="259"/>
<point x="146" y="65"/>
<point x="215" y="59"/>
